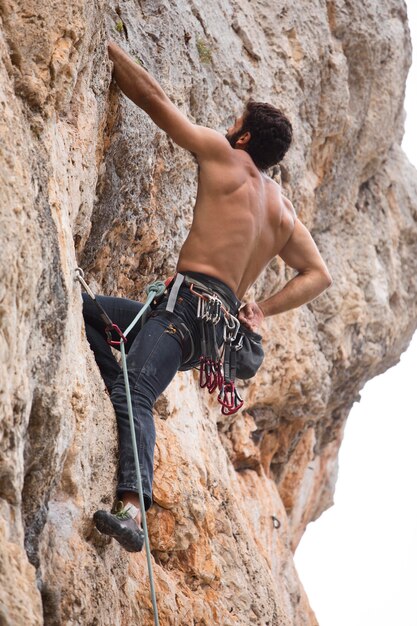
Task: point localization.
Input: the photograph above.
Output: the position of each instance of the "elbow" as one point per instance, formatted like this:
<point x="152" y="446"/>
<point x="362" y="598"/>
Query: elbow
<point x="326" y="279"/>
<point x="322" y="279"/>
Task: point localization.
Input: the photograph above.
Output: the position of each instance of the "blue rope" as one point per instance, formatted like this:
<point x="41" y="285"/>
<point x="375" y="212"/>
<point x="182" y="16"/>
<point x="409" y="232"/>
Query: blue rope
<point x="154" y="290"/>
<point x="139" y="482"/>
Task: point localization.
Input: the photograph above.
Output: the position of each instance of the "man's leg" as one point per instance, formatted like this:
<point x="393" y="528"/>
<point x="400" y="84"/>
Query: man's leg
<point x="153" y="360"/>
<point x="122" y="312"/>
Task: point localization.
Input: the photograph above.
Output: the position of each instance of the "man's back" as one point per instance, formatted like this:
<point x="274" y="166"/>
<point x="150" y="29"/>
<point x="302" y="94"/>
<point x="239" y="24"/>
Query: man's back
<point x="241" y="220"/>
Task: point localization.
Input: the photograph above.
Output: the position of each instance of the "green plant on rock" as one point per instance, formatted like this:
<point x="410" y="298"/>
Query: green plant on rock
<point x="204" y="51"/>
<point x="119" y="26"/>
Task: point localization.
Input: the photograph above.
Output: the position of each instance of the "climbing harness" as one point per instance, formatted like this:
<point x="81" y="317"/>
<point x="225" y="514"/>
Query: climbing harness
<point x="153" y="291"/>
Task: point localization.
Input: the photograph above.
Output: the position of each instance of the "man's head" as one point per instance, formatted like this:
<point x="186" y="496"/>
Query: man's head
<point x="264" y="132"/>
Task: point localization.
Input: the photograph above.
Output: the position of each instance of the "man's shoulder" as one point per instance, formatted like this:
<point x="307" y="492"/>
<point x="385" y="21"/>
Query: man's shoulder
<point x="215" y="143"/>
<point x="275" y="185"/>
<point x="289" y="208"/>
<point x="279" y="194"/>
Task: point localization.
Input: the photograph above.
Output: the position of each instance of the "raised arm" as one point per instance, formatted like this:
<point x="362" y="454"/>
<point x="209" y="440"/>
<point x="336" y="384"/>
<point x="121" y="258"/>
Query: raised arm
<point x="138" y="85"/>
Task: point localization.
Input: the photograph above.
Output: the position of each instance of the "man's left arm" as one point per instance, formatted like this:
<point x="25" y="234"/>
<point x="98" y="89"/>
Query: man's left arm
<point x="138" y="85"/>
<point x="300" y="253"/>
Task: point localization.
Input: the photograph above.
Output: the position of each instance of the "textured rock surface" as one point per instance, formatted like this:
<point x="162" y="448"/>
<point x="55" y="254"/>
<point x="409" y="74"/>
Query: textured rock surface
<point x="86" y="178"/>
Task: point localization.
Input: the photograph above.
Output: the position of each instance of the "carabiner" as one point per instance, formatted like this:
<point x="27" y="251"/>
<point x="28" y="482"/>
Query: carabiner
<point x="203" y="372"/>
<point x="213" y="378"/>
<point x="111" y="341"/>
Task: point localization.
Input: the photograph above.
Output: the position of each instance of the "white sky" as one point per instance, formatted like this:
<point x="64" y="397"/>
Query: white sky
<point x="358" y="562"/>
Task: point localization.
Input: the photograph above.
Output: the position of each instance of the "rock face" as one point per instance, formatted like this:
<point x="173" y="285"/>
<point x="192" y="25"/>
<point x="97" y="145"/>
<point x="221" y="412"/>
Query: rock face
<point x="86" y="178"/>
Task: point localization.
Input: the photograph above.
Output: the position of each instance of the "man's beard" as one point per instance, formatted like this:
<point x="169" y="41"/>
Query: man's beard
<point x="232" y="139"/>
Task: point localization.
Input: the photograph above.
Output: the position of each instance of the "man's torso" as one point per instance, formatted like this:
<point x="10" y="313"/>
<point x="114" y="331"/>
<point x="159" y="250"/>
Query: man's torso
<point x="241" y="221"/>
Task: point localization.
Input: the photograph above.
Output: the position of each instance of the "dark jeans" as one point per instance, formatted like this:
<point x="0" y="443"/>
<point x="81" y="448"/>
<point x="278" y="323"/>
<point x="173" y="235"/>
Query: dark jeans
<point x="155" y="353"/>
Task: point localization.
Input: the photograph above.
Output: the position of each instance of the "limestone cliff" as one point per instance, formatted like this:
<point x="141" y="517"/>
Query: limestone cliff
<point x="86" y="178"/>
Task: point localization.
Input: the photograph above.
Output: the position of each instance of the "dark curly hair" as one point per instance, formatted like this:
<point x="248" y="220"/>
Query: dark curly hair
<point x="271" y="133"/>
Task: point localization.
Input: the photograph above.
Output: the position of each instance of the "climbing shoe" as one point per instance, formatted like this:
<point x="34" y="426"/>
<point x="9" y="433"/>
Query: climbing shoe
<point x="121" y="525"/>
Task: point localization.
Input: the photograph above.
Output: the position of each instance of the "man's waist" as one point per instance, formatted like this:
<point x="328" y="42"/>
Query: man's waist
<point x="226" y="294"/>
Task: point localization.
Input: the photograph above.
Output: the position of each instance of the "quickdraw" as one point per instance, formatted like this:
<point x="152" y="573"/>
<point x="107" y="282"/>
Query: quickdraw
<point x="216" y="371"/>
<point x="108" y="330"/>
<point x="229" y="396"/>
<point x="208" y="316"/>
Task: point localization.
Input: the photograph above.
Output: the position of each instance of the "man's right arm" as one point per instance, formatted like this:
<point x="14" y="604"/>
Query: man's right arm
<point x="300" y="253"/>
<point x="138" y="85"/>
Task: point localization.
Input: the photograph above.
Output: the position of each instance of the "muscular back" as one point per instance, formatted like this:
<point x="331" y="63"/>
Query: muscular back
<point x="241" y="220"/>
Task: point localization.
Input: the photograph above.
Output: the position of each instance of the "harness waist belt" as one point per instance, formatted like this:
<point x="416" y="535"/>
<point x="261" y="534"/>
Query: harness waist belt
<point x="218" y="287"/>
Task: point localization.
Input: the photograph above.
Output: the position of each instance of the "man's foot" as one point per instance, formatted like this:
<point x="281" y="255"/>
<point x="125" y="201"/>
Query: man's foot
<point x="122" y="526"/>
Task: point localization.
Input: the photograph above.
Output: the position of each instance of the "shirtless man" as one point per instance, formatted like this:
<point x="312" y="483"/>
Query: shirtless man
<point x="241" y="221"/>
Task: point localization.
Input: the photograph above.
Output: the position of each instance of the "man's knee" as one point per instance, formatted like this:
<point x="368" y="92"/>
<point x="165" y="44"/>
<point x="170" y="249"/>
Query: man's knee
<point x="88" y="305"/>
<point x="143" y="398"/>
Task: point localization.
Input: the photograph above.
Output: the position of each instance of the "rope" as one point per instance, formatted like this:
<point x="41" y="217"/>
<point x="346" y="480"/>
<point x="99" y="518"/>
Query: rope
<point x="154" y="290"/>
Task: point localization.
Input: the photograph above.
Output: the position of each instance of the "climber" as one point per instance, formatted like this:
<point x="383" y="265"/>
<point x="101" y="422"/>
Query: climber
<point x="241" y="221"/>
